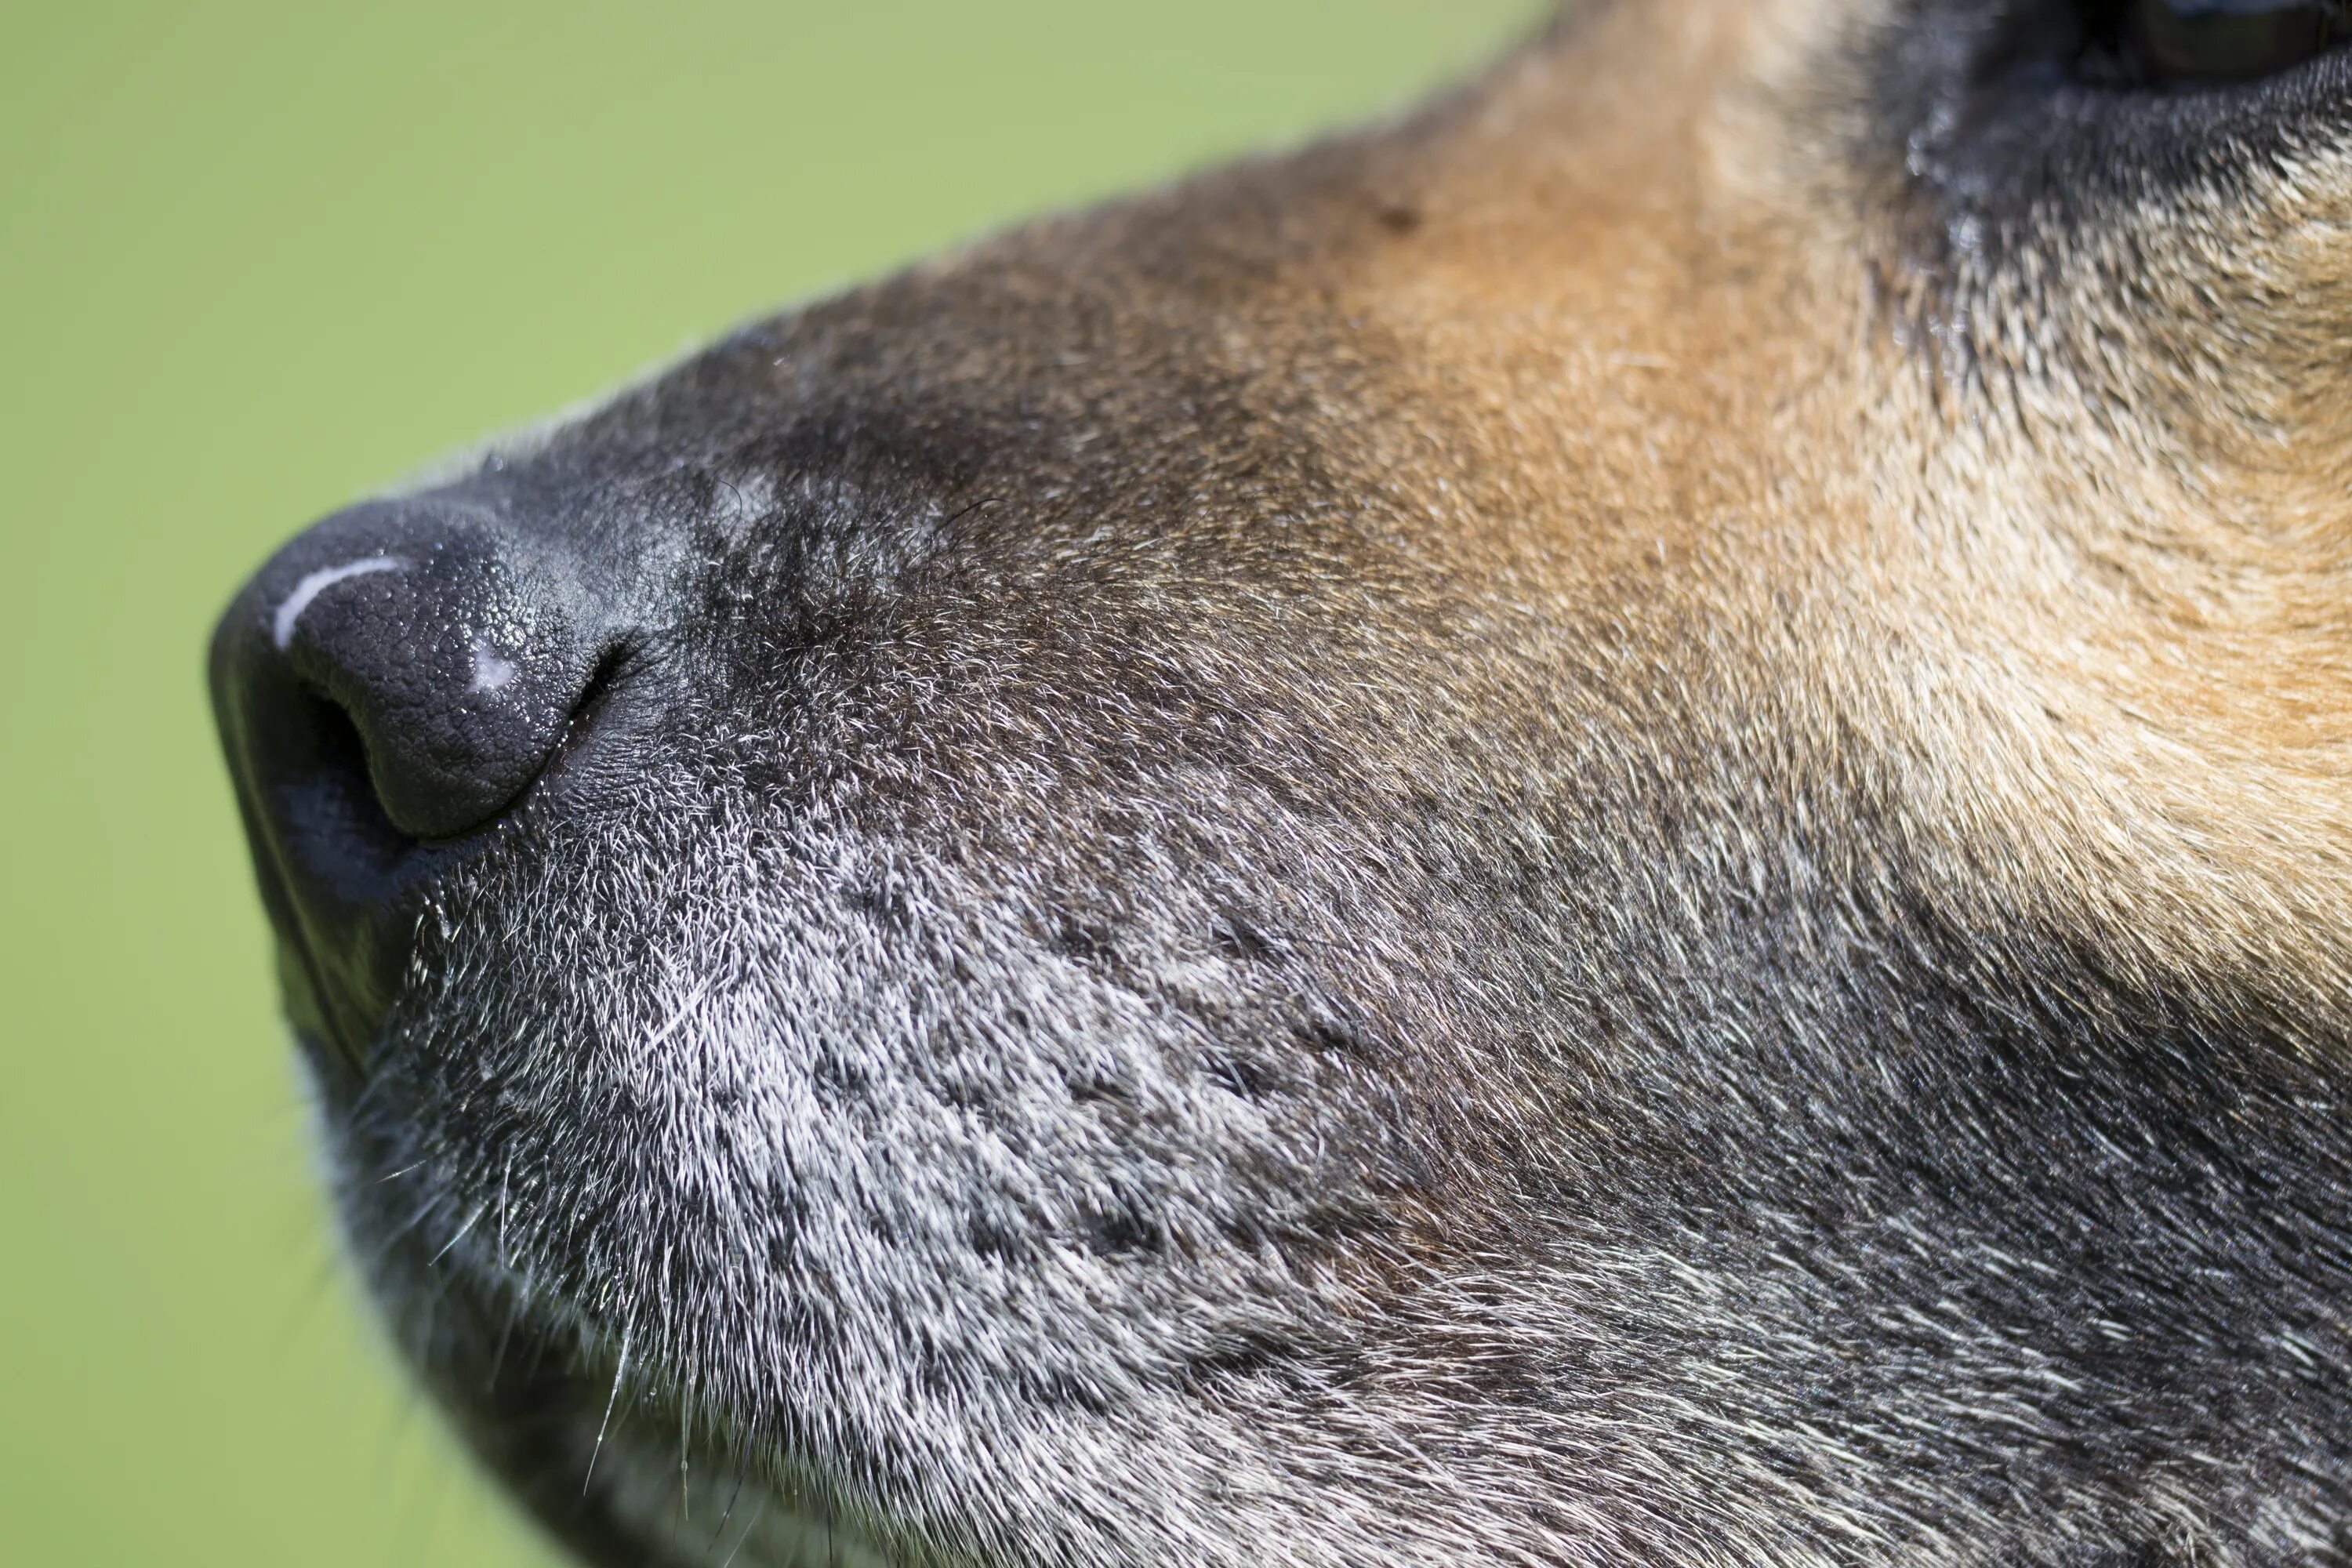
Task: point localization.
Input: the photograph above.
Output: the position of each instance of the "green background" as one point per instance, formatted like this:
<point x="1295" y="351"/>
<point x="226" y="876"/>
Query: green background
<point x="253" y="260"/>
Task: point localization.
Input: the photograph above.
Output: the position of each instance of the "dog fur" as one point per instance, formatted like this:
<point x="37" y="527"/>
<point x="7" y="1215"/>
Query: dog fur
<point x="1610" y="827"/>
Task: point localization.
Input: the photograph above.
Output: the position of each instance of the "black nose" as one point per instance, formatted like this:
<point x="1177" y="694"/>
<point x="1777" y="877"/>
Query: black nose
<point x="416" y="641"/>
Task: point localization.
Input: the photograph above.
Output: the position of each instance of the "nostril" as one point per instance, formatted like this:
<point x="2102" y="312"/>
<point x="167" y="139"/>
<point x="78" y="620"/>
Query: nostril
<point x="596" y="692"/>
<point x="327" y="798"/>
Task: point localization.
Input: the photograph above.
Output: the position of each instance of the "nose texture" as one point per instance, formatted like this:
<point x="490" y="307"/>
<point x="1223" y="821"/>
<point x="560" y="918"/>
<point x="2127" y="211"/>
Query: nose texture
<point x="455" y="651"/>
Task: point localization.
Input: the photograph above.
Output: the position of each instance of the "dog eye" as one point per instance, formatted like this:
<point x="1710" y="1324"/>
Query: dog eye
<point x="2182" y="43"/>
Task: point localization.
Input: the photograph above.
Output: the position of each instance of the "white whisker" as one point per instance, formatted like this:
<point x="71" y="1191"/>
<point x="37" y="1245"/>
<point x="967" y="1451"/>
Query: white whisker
<point x="613" y="1400"/>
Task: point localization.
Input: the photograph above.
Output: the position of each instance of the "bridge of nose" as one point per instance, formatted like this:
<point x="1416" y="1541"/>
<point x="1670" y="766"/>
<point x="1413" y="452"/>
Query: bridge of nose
<point x="458" y="648"/>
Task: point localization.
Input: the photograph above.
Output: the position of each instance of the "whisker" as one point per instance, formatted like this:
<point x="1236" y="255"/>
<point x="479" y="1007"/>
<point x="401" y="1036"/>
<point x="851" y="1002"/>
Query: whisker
<point x="400" y="1233"/>
<point x="471" y="1221"/>
<point x="506" y="1175"/>
<point x="613" y="1399"/>
<point x="506" y="1335"/>
<point x="726" y="1513"/>
<point x="307" y="1297"/>
<point x="749" y="1526"/>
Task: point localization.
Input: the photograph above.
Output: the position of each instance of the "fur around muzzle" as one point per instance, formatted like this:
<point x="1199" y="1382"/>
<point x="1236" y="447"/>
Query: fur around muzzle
<point x="1604" y="827"/>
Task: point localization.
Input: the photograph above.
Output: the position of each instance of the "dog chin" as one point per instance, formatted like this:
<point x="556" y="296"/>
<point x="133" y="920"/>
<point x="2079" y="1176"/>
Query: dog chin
<point x="659" y="1489"/>
<point x="622" y="1465"/>
<point x="717" y="1515"/>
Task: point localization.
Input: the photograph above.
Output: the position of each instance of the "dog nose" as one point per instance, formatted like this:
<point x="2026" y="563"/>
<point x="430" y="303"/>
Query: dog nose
<point x="417" y="642"/>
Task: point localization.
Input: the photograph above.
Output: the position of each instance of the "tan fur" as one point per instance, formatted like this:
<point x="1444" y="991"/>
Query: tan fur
<point x="2101" y="616"/>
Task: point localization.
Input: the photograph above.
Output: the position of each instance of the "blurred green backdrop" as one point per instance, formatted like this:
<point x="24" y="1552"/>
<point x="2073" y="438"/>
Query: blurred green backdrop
<point x="254" y="258"/>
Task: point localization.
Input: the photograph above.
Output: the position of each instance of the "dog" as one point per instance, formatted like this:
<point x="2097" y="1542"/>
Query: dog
<point x="1610" y="826"/>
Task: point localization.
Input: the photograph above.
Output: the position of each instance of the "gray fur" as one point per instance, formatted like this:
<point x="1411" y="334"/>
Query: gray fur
<point x="1087" y="998"/>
